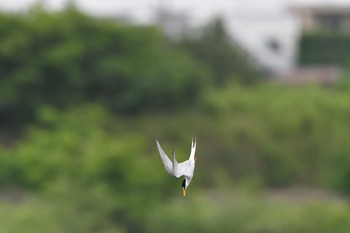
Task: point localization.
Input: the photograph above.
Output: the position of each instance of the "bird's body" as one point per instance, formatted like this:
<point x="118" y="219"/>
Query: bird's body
<point x="176" y="169"/>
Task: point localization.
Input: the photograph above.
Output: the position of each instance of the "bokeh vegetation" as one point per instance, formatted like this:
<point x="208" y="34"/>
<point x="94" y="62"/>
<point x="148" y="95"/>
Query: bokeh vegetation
<point x="82" y="100"/>
<point x="324" y="48"/>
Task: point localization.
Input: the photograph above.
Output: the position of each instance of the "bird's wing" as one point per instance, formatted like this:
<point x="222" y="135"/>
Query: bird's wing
<point x="185" y="168"/>
<point x="193" y="148"/>
<point x="168" y="165"/>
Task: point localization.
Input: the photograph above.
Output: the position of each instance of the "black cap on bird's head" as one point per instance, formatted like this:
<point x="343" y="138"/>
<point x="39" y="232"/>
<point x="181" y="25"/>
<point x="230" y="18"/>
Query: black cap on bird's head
<point x="184" y="188"/>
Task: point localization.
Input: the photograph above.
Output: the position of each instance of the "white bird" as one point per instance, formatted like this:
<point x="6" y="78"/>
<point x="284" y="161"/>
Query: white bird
<point x="176" y="169"/>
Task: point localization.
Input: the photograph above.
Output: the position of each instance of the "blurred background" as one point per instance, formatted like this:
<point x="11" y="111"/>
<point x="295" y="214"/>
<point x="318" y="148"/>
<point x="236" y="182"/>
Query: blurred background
<point x="86" y="87"/>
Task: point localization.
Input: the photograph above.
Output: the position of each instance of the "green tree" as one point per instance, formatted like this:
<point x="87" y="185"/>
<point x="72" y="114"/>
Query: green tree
<point x="67" y="58"/>
<point x="218" y="51"/>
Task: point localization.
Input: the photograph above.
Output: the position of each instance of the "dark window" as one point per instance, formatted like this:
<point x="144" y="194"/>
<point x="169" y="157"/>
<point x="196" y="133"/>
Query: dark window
<point x="331" y="22"/>
<point x="273" y="45"/>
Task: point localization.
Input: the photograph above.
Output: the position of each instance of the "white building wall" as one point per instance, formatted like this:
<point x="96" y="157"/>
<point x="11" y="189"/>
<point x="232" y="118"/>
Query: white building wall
<point x="272" y="41"/>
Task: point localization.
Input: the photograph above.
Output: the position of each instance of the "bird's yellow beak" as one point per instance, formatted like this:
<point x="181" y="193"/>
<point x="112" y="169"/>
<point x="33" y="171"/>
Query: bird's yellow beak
<point x="183" y="192"/>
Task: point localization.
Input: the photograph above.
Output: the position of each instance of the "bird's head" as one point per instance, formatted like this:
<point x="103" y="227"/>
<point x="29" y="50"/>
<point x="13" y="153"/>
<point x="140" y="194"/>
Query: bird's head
<point x="185" y="184"/>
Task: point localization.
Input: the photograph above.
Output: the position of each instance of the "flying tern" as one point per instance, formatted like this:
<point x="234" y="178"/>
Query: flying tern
<point x="176" y="169"/>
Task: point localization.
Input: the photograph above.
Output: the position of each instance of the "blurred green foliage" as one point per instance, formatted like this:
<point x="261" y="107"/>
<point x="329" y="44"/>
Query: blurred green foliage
<point x="88" y="162"/>
<point x="285" y="135"/>
<point x="66" y="58"/>
<point x="249" y="215"/>
<point x="324" y="48"/>
<point x="90" y="166"/>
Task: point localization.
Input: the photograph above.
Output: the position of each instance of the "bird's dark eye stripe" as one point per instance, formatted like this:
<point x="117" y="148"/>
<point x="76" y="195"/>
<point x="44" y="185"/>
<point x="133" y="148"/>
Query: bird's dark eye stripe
<point x="184" y="183"/>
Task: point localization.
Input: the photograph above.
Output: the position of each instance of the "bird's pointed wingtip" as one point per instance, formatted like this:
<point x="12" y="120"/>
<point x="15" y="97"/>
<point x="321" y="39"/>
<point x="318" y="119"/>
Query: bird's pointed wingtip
<point x="194" y="141"/>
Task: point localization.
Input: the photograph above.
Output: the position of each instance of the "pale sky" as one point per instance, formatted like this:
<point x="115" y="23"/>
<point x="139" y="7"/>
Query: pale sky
<point x="142" y="10"/>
